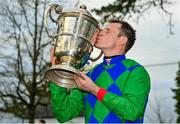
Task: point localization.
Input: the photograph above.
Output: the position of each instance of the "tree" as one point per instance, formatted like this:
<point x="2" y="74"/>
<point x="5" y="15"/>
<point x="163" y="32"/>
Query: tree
<point x="125" y="9"/>
<point x="23" y="57"/>
<point x="177" y="94"/>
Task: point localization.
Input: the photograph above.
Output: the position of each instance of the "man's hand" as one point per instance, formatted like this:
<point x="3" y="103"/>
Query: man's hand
<point x="54" y="60"/>
<point x="52" y="57"/>
<point x="86" y="84"/>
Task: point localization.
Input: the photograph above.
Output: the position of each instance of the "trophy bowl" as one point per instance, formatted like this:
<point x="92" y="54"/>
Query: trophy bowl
<point x="73" y="43"/>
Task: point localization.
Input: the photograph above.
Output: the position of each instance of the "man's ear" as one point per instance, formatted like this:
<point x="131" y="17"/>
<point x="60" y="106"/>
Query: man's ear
<point x="122" y="40"/>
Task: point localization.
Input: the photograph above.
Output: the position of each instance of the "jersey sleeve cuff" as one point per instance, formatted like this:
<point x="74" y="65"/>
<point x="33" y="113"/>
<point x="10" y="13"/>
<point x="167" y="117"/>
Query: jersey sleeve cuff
<point x="101" y="93"/>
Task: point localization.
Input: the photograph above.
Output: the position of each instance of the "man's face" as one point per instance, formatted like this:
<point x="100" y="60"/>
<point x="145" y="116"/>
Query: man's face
<point x="108" y="37"/>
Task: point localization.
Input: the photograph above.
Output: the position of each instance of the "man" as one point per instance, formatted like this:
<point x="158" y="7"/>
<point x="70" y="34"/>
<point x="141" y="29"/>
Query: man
<point x="114" y="91"/>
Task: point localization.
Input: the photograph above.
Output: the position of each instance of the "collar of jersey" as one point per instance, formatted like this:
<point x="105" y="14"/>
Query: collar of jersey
<point x="114" y="59"/>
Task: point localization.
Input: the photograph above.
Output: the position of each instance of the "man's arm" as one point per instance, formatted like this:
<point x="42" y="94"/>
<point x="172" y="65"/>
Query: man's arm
<point x="66" y="104"/>
<point x="131" y="104"/>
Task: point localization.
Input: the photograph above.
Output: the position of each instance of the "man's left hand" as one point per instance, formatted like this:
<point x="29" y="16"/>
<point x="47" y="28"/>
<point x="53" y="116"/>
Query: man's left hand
<point x="86" y="84"/>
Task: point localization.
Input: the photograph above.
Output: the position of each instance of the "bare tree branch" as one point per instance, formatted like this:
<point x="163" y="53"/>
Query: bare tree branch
<point x="121" y="9"/>
<point x="26" y="17"/>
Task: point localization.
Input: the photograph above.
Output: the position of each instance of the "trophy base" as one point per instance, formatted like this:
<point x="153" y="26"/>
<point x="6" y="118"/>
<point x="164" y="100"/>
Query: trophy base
<point x="62" y="75"/>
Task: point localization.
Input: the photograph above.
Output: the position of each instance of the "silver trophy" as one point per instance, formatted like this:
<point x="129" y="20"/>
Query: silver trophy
<point x="73" y="42"/>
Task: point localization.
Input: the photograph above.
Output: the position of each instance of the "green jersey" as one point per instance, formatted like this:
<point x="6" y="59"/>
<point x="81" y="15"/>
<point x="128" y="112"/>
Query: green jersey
<point x="125" y="86"/>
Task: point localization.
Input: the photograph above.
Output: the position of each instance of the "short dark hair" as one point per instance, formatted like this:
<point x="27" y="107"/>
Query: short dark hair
<point x="127" y="30"/>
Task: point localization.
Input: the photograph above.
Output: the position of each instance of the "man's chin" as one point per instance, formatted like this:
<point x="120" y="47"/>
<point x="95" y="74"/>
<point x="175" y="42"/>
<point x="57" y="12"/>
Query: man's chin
<point x="96" y="46"/>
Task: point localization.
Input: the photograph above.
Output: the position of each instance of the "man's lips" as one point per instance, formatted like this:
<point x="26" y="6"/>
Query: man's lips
<point x="98" y="38"/>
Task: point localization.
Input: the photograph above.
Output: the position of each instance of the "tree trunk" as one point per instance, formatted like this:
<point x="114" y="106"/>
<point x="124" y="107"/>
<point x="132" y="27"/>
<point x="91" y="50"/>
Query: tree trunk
<point x="31" y="114"/>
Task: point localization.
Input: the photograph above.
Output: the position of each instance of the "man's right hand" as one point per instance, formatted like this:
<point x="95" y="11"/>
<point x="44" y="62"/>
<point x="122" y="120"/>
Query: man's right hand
<point x="52" y="57"/>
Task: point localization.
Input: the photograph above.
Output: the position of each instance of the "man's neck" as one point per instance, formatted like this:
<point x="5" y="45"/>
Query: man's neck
<point x="109" y="57"/>
<point x="110" y="53"/>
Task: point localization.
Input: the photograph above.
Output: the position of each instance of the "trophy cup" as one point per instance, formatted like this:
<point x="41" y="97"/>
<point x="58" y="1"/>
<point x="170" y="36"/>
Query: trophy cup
<point x="73" y="43"/>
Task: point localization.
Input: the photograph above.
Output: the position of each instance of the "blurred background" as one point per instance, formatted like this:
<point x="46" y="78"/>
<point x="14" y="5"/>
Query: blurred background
<point x="24" y="55"/>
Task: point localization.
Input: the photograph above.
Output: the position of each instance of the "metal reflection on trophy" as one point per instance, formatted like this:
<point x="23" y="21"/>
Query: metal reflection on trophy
<point x="73" y="43"/>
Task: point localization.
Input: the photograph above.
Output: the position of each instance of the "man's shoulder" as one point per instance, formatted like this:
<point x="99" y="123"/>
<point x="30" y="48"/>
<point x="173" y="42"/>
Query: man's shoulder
<point x="134" y="66"/>
<point x="130" y="62"/>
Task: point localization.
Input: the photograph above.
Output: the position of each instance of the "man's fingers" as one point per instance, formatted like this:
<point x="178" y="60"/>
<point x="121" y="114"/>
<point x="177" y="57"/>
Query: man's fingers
<point x="52" y="57"/>
<point x="51" y="52"/>
<point x="83" y="76"/>
<point x="77" y="81"/>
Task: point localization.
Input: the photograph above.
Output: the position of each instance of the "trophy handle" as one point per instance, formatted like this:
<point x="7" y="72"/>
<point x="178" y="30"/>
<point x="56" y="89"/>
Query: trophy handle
<point x="95" y="59"/>
<point x="48" y="13"/>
